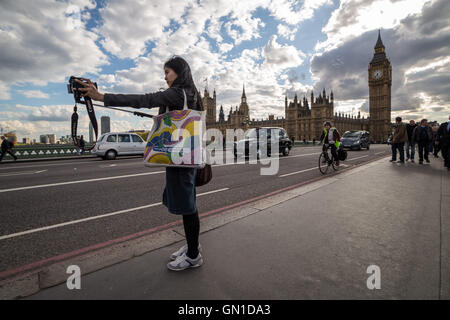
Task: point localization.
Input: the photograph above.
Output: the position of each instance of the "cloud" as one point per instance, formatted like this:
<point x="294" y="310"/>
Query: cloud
<point x="34" y="94"/>
<point x="47" y="113"/>
<point x="292" y="13"/>
<point x="286" y="31"/>
<point x="418" y="48"/>
<point x="282" y="56"/>
<point x="4" y="91"/>
<point x="41" y="42"/>
<point x="355" y="17"/>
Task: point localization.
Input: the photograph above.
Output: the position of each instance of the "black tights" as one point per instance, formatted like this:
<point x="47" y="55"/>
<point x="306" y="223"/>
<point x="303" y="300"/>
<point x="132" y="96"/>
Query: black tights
<point x="191" y="224"/>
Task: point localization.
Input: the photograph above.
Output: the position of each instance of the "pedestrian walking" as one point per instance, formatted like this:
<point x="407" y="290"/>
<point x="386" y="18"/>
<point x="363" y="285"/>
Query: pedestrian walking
<point x="6" y="147"/>
<point x="179" y="195"/>
<point x="410" y="146"/>
<point x="444" y="142"/>
<point x="82" y="145"/>
<point x="423" y="136"/>
<point x="399" y="138"/>
<point x="435" y="141"/>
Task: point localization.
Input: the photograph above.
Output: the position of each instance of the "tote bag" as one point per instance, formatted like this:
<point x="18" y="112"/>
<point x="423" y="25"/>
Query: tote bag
<point x="176" y="139"/>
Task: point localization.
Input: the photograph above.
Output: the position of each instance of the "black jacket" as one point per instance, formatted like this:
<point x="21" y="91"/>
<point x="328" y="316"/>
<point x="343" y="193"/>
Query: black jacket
<point x="409" y="130"/>
<point x="417" y="134"/>
<point x="443" y="134"/>
<point x="172" y="98"/>
<point x="5" y="145"/>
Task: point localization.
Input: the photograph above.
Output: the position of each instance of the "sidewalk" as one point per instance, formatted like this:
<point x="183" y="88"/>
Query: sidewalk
<point x="315" y="244"/>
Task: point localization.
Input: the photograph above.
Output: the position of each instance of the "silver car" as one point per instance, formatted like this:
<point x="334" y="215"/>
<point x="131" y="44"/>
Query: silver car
<point x="113" y="144"/>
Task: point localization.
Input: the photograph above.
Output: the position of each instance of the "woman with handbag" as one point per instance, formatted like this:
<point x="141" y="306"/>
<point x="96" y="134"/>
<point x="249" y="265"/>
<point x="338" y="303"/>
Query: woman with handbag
<point x="179" y="194"/>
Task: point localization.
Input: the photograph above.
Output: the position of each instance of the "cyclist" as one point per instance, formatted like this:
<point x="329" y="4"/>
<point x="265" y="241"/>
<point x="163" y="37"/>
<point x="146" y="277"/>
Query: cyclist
<point x="331" y="136"/>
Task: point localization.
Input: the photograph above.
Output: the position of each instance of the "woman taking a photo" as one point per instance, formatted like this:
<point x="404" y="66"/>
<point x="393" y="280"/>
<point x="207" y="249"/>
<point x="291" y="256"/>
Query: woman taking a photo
<point x="179" y="194"/>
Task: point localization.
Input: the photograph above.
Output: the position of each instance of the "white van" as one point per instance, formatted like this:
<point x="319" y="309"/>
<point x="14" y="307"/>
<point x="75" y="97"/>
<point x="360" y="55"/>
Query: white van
<point x="113" y="144"/>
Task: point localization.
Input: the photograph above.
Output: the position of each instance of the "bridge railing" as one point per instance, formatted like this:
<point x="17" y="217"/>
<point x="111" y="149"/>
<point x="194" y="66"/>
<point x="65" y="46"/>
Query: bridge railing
<point x="45" y="151"/>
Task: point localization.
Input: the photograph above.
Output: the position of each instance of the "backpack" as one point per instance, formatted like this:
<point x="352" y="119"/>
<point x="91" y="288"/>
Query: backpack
<point x="342" y="154"/>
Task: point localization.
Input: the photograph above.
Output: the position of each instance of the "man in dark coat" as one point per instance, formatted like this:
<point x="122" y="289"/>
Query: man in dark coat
<point x="423" y="136"/>
<point x="410" y="144"/>
<point x="399" y="138"/>
<point x="444" y="142"/>
<point x="6" y="148"/>
<point x="82" y="145"/>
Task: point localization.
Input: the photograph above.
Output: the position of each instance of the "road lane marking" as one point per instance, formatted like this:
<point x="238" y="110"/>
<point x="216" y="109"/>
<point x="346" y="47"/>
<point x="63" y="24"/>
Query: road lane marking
<point x="296" y="172"/>
<point x="79" y="181"/>
<point x="380" y="152"/>
<point x="17" y="234"/>
<point x="20" y="173"/>
<point x="125" y="176"/>
<point x="357" y="158"/>
<point x="281" y="158"/>
<point x="67" y="163"/>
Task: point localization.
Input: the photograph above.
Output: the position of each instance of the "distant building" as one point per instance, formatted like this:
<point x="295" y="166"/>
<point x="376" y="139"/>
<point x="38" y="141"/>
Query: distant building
<point x="44" y="139"/>
<point x="52" y="138"/>
<point x="48" y="138"/>
<point x="304" y="118"/>
<point x="91" y="133"/>
<point x="105" y="124"/>
<point x="26" y="140"/>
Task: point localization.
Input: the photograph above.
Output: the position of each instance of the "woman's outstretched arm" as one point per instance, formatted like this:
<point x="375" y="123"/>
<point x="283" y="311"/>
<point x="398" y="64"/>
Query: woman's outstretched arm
<point x="172" y="97"/>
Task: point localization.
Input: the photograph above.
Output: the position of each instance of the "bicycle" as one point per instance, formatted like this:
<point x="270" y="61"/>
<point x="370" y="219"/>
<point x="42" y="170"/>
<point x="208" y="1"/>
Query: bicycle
<point x="326" y="160"/>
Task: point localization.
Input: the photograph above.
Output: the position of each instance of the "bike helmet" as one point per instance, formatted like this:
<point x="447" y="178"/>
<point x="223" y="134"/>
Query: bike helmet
<point x="327" y="123"/>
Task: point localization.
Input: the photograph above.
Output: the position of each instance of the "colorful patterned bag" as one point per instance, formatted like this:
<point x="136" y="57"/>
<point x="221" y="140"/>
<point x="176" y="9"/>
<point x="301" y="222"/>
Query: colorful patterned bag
<point x="176" y="139"/>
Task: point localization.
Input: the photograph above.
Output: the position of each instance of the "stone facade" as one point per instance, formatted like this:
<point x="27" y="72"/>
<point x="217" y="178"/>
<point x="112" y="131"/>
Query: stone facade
<point x="304" y="118"/>
<point x="380" y="81"/>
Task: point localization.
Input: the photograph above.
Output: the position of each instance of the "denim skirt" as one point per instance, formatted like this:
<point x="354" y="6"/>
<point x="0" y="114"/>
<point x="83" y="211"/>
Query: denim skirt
<point x="179" y="194"/>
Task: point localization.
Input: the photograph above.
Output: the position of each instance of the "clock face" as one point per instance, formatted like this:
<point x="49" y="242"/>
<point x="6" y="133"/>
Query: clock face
<point x="377" y="74"/>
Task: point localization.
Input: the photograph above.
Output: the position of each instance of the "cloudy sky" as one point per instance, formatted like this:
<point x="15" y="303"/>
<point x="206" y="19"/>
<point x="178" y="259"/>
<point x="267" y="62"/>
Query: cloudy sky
<point x="275" y="47"/>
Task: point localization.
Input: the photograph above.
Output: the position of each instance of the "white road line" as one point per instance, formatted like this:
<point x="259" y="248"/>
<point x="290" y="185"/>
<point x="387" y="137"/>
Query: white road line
<point x="126" y="176"/>
<point x="20" y="173"/>
<point x="380" y="152"/>
<point x="281" y="158"/>
<point x="79" y="181"/>
<point x="296" y="172"/>
<point x="66" y="163"/>
<point x="17" y="234"/>
<point x="357" y="158"/>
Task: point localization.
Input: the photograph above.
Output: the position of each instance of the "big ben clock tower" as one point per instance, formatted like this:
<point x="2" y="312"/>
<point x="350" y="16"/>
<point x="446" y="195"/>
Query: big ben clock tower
<point x="380" y="80"/>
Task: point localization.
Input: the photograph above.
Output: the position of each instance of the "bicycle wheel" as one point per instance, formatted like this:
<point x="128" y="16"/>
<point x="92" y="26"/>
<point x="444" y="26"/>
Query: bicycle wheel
<point x="323" y="163"/>
<point x="333" y="164"/>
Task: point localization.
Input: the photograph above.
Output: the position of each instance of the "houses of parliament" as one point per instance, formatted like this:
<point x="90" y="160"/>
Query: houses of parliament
<point x="304" y="118"/>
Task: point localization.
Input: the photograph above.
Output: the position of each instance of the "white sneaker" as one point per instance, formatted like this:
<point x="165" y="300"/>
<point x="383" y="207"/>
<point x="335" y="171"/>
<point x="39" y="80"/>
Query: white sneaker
<point x="184" y="262"/>
<point x="182" y="250"/>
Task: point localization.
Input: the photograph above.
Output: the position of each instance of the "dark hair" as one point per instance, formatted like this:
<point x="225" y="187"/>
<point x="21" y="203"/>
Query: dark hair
<point x="184" y="78"/>
<point x="398" y="119"/>
<point x="423" y="120"/>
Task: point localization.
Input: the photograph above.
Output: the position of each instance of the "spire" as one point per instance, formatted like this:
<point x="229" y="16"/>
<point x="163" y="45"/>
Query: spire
<point x="379" y="43"/>
<point x="243" y="91"/>
<point x="379" y="50"/>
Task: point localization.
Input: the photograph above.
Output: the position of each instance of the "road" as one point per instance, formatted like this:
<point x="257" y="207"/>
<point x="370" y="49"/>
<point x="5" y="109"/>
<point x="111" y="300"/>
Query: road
<point x="54" y="207"/>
